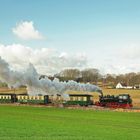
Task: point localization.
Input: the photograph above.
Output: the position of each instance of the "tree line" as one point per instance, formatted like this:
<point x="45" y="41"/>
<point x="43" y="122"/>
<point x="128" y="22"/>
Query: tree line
<point x="94" y="76"/>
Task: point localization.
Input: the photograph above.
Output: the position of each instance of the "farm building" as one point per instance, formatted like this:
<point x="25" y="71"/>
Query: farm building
<point x="119" y="85"/>
<point x="137" y="86"/>
<point x="123" y="86"/>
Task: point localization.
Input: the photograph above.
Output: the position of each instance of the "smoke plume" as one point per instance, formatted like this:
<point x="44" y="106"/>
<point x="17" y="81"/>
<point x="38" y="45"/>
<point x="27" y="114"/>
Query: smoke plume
<point x="44" y="86"/>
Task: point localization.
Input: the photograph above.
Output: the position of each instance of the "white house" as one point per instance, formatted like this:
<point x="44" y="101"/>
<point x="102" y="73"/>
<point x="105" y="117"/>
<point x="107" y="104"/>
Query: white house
<point x="121" y="86"/>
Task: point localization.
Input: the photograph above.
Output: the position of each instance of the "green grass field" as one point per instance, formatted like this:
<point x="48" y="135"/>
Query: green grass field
<point x="42" y="123"/>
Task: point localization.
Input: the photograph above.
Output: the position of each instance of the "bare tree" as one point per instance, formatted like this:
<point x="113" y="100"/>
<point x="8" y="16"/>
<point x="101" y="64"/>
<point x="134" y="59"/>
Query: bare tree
<point x="90" y="75"/>
<point x="70" y="74"/>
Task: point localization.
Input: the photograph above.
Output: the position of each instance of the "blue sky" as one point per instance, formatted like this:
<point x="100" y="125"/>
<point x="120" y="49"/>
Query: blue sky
<point x="101" y="29"/>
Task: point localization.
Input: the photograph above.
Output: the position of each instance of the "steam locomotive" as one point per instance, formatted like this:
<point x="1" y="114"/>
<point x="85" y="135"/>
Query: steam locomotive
<point x="111" y="101"/>
<point x="119" y="101"/>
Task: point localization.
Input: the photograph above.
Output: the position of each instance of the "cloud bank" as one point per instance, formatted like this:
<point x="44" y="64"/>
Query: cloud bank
<point x="50" y="61"/>
<point x="26" y="31"/>
<point x="124" y="59"/>
<point x="45" y="60"/>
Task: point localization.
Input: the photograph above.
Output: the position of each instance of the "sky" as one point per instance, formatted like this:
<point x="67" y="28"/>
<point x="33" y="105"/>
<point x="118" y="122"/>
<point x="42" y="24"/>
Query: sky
<point x="58" y="34"/>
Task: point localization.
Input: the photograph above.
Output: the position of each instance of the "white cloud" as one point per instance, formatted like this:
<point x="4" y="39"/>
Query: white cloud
<point x="25" y="30"/>
<point x="131" y="52"/>
<point x="50" y="61"/>
<point x="123" y="59"/>
<point x="46" y="61"/>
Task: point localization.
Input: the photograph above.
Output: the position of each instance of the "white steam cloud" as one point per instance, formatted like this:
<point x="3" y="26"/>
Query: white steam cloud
<point x="30" y="78"/>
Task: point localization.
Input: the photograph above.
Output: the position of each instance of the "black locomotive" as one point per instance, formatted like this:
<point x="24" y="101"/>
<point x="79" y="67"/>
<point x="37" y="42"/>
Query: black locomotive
<point x="119" y="101"/>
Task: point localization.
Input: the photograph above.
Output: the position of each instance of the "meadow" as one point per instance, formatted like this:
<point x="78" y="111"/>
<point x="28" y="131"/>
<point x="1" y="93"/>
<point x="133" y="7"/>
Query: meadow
<point x="43" y="123"/>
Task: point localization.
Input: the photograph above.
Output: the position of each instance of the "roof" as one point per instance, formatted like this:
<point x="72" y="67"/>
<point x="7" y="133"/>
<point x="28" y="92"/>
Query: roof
<point x="13" y="94"/>
<point x="81" y="95"/>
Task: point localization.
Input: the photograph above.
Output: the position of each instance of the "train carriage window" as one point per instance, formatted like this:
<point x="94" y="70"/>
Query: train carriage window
<point x="124" y="97"/>
<point x="84" y="98"/>
<point x="51" y="97"/>
<point x="120" y="97"/>
<point x="42" y="97"/>
<point x="79" y="98"/>
<point x="36" y="97"/>
<point x="91" y="98"/>
<point x="74" y="98"/>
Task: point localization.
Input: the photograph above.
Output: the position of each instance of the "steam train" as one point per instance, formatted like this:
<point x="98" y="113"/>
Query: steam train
<point x="111" y="101"/>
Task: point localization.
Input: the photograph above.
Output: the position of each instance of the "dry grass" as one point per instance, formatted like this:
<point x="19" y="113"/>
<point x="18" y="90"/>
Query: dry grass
<point x="16" y="91"/>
